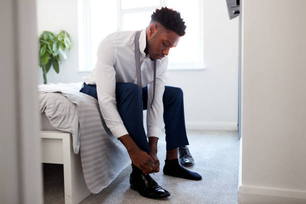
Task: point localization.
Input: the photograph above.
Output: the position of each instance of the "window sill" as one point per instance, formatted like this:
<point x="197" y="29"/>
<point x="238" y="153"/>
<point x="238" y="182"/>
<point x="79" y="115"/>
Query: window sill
<point x="84" y="71"/>
<point x="187" y="69"/>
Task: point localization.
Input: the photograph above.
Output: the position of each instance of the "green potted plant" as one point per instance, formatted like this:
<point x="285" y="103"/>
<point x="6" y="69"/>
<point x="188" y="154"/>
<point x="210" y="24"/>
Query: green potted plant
<point x="51" y="47"/>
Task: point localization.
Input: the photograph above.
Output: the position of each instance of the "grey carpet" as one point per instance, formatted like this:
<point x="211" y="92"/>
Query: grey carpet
<point x="216" y="155"/>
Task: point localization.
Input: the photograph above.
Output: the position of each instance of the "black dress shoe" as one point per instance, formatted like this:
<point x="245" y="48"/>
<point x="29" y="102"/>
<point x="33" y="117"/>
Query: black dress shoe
<point x="173" y="168"/>
<point x="146" y="186"/>
<point x="185" y="157"/>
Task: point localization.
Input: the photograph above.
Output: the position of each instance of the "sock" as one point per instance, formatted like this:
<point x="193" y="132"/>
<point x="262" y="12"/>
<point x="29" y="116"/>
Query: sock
<point x="136" y="170"/>
<point x="173" y="168"/>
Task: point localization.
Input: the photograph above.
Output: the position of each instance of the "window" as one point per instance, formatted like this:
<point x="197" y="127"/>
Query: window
<point x="98" y="18"/>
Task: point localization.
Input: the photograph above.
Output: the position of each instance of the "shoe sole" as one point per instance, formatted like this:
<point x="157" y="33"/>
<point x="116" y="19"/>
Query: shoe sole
<point x="153" y="197"/>
<point x="179" y="176"/>
<point x="187" y="165"/>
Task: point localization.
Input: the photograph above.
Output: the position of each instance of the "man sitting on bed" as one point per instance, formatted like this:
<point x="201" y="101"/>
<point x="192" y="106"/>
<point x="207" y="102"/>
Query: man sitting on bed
<point x="123" y="94"/>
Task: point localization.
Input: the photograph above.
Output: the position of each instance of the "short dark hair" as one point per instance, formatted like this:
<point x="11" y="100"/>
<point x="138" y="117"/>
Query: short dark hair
<point x="170" y="19"/>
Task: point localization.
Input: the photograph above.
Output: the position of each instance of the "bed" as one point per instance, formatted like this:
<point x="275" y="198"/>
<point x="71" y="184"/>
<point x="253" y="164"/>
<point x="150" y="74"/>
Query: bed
<point x="74" y="134"/>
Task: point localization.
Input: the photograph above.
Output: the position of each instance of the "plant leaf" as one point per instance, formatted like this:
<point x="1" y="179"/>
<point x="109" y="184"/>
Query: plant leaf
<point x="44" y="41"/>
<point x="45" y="35"/>
<point x="67" y="34"/>
<point x="44" y="59"/>
<point x="68" y="43"/>
<point x="60" y="36"/>
<point x="49" y="48"/>
<point x="66" y="39"/>
<point x="63" y="45"/>
<point x="51" y="36"/>
<point x="55" y="65"/>
<point x="62" y="51"/>
<point x="43" y="50"/>
<point x="41" y="36"/>
<point x="48" y="65"/>
<point x="55" y="46"/>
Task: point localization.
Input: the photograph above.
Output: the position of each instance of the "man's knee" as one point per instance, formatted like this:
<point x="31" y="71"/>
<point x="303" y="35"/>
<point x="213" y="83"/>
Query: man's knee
<point x="133" y="89"/>
<point x="129" y="90"/>
<point x="179" y="91"/>
<point x="176" y="92"/>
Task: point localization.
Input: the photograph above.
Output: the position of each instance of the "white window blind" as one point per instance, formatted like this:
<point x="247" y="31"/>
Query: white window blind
<point x="98" y="18"/>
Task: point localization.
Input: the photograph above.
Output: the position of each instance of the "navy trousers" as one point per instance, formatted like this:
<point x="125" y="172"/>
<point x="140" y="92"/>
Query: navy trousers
<point x="130" y="102"/>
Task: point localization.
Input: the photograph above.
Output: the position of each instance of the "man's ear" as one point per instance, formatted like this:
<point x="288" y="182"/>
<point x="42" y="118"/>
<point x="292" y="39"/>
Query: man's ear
<point x="153" y="29"/>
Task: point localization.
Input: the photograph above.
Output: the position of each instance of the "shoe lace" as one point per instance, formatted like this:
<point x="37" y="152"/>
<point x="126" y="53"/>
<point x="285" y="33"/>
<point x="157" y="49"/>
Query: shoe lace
<point x="185" y="151"/>
<point x="150" y="180"/>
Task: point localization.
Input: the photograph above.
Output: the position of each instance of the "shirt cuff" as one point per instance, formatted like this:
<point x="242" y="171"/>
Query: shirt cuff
<point x="154" y="132"/>
<point x="119" y="131"/>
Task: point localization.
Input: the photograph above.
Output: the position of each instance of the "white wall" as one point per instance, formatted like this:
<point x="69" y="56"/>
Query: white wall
<point x="211" y="96"/>
<point x="55" y="16"/>
<point x="274" y="102"/>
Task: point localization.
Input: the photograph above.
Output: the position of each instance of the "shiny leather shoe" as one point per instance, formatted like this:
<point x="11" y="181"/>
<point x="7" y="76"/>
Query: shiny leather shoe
<point x="146" y="186"/>
<point x="185" y="157"/>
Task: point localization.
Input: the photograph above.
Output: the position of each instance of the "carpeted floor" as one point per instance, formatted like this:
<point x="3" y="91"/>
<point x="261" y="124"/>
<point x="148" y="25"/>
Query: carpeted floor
<point x="216" y="155"/>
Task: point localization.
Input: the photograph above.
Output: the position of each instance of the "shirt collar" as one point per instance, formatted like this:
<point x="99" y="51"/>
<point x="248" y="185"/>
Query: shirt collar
<point x="142" y="42"/>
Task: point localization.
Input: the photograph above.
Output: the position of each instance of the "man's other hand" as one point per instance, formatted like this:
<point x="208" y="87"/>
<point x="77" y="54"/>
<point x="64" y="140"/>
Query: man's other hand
<point x="142" y="160"/>
<point x="156" y="161"/>
<point x="147" y="163"/>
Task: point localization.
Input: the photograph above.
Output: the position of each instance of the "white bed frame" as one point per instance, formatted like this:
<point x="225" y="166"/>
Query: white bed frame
<point x="57" y="149"/>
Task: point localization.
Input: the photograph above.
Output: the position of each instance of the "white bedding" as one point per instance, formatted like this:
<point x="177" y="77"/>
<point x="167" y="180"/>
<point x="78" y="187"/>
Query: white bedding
<point x="62" y="115"/>
<point x="103" y="157"/>
<point x="45" y="123"/>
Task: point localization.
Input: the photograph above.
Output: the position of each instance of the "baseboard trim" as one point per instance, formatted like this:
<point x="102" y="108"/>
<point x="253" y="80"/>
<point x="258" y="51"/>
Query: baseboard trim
<point x="211" y="126"/>
<point x="262" y="195"/>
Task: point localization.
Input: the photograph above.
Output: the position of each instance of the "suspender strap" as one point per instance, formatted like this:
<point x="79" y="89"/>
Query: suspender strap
<point x="154" y="83"/>
<point x="137" y="59"/>
<point x="138" y="70"/>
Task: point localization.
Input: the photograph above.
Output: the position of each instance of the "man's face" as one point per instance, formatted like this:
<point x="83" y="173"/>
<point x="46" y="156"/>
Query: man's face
<point x="160" y="40"/>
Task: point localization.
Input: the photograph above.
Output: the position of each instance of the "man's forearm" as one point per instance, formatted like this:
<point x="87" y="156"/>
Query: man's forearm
<point x="153" y="144"/>
<point x="153" y="152"/>
<point x="130" y="145"/>
<point x="128" y="142"/>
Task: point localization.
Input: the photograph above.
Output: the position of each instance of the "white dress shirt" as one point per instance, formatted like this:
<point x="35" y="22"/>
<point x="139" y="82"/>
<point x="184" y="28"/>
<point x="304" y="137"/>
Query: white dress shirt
<point x="116" y="63"/>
